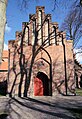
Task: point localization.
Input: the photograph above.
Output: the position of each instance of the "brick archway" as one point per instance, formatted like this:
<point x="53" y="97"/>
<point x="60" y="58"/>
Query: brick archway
<point x="43" y="82"/>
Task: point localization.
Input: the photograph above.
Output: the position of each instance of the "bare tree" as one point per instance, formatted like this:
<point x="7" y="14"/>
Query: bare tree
<point x="73" y="23"/>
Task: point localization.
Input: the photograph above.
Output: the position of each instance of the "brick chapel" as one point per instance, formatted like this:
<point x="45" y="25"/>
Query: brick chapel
<point x="40" y="59"/>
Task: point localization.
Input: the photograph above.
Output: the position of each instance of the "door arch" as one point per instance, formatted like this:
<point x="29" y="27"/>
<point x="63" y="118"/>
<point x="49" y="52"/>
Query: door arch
<point x="43" y="84"/>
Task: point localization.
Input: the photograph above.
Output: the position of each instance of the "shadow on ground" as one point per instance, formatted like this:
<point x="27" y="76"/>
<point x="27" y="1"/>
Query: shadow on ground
<point x="24" y="108"/>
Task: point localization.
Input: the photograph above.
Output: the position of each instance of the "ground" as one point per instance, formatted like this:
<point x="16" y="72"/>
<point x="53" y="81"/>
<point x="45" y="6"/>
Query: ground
<point x="58" y="107"/>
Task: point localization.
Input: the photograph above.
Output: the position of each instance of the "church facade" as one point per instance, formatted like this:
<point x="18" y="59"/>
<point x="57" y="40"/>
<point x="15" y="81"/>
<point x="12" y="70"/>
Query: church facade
<point x="40" y="59"/>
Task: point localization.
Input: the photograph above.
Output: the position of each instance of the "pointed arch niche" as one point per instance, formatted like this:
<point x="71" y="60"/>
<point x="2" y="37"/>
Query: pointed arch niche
<point x="42" y="74"/>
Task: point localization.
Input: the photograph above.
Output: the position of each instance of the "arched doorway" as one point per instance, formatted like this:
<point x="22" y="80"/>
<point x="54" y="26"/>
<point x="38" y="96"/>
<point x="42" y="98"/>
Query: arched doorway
<point x="41" y="84"/>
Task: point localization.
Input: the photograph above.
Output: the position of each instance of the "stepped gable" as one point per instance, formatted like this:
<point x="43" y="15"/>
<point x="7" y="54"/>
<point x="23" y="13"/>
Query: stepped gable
<point x="77" y="63"/>
<point x="48" y="27"/>
<point x="78" y="67"/>
<point x="40" y="47"/>
<point x="78" y="72"/>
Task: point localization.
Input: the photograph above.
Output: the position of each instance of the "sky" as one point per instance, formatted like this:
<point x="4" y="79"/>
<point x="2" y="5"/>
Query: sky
<point x="15" y="16"/>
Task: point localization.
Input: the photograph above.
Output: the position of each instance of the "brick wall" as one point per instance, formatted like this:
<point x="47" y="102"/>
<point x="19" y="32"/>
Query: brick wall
<point x="45" y="38"/>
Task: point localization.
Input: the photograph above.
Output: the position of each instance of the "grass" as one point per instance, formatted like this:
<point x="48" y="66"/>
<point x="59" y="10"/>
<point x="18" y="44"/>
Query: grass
<point x="79" y="91"/>
<point x="2" y="95"/>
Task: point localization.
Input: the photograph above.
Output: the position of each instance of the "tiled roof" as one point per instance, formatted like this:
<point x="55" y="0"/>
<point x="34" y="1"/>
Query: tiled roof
<point x="4" y="66"/>
<point x="5" y="54"/>
<point x="4" y="63"/>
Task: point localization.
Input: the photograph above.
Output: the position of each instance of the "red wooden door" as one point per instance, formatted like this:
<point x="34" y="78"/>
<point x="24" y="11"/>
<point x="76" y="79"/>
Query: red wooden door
<point x="38" y="87"/>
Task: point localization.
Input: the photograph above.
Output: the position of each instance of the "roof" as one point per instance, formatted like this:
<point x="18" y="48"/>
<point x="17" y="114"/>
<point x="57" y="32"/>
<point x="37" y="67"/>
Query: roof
<point x="4" y="66"/>
<point x="4" y="63"/>
<point x="5" y="54"/>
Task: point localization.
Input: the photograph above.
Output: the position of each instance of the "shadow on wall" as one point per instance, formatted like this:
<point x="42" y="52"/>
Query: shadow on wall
<point x="23" y="64"/>
<point x="59" y="82"/>
<point x="3" y="88"/>
<point x="24" y="71"/>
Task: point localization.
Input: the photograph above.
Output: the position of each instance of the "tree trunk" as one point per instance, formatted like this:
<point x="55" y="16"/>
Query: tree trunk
<point x="3" y="4"/>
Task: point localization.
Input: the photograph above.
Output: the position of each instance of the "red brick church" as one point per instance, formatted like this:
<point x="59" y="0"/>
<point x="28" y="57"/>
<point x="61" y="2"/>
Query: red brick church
<point x="40" y="59"/>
